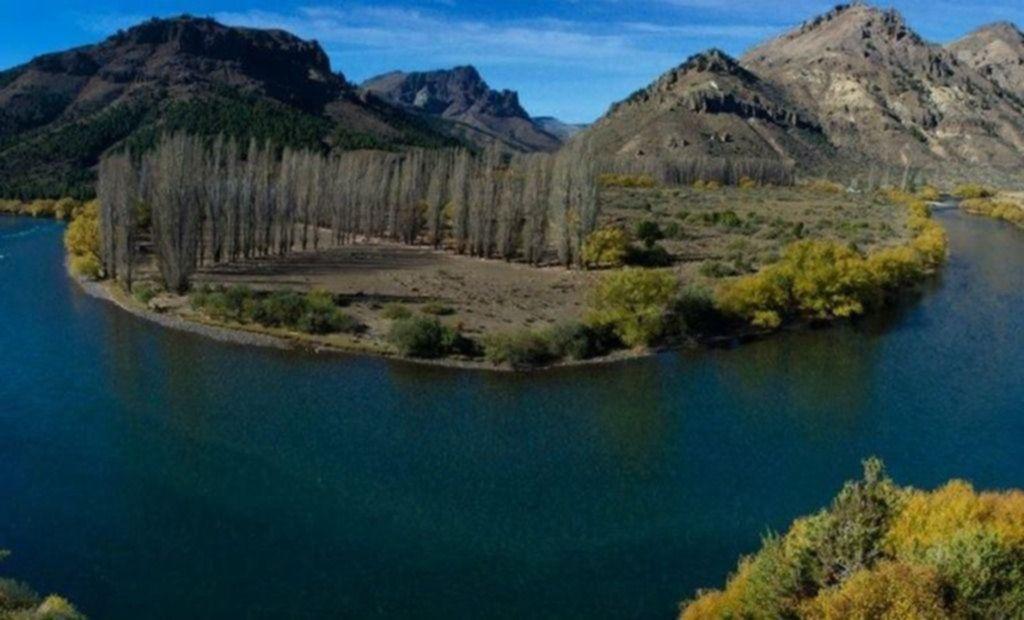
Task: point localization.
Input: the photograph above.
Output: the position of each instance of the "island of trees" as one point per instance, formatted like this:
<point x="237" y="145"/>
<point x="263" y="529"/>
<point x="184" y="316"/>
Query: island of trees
<point x="652" y="259"/>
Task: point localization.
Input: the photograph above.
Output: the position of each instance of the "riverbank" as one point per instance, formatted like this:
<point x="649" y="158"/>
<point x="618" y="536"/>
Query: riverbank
<point x="502" y="316"/>
<point x="258" y="336"/>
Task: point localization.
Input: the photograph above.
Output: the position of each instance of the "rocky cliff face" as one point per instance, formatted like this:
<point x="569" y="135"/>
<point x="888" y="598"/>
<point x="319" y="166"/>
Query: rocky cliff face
<point x="461" y="95"/>
<point x="709" y="106"/>
<point x="882" y="92"/>
<point x="847" y="91"/>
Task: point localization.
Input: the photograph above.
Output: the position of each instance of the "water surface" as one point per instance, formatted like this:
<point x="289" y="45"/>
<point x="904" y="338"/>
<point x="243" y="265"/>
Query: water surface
<point x="152" y="473"/>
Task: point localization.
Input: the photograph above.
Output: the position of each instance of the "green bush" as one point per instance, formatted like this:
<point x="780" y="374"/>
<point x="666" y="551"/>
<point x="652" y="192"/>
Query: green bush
<point x="423" y="337"/>
<point x="144" y="292"/>
<point x="717" y="269"/>
<point x="519" y="349"/>
<point x="634" y="303"/>
<point x="970" y="191"/>
<point x="279" y="309"/>
<point x="322" y="316"/>
<point x="696" y="314"/>
<point x="648" y="232"/>
<point x="579" y="341"/>
<point x="312" y="313"/>
<point x="653" y="256"/>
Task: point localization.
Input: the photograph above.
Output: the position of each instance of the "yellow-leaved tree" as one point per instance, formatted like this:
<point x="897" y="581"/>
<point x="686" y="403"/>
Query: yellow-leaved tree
<point x="634" y="303"/>
<point x="82" y="241"/>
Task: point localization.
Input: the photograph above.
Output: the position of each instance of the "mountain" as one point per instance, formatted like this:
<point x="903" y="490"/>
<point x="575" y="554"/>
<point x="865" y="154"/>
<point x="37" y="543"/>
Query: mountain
<point x="462" y="97"/>
<point x="561" y="130"/>
<point x="997" y="52"/>
<point x="710" y="106"/>
<point x="881" y="92"/>
<point x="60" y="112"/>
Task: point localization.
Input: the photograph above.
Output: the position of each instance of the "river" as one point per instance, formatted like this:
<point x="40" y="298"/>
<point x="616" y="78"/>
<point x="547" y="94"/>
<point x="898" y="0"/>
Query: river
<point x="148" y="473"/>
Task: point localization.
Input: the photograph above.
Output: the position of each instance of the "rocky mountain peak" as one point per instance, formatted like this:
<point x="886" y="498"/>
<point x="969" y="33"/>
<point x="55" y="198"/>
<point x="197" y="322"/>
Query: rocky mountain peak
<point x="460" y="94"/>
<point x="997" y="52"/>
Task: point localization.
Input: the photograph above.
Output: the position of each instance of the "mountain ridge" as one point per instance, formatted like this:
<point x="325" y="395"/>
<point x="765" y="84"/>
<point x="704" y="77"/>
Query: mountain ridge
<point x="480" y="114"/>
<point x="61" y="111"/>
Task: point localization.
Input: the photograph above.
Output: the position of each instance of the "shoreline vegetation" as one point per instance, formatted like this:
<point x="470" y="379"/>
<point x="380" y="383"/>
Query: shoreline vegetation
<point x="986" y="202"/>
<point x="20" y="602"/>
<point x="635" y="299"/>
<point x="884" y="551"/>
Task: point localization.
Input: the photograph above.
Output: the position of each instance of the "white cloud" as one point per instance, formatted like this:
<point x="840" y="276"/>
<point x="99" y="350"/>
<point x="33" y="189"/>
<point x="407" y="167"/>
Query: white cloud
<point x="445" y="40"/>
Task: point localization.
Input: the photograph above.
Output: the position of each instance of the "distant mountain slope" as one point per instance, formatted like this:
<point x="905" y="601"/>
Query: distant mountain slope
<point x="997" y="52"/>
<point x="561" y="130"/>
<point x="881" y="91"/>
<point x="710" y="106"/>
<point x="60" y="112"/>
<point x="461" y="95"/>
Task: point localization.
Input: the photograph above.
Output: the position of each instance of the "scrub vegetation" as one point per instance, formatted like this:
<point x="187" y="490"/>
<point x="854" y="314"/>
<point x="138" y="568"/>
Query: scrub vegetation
<point x="20" y="602"/>
<point x="883" y="551"/>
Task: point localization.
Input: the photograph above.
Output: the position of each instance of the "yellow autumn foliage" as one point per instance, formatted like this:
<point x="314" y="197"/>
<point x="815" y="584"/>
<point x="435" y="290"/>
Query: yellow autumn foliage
<point x="825" y="280"/>
<point x="889" y="591"/>
<point x="903" y="554"/>
<point x="606" y="247"/>
<point x="626" y="180"/>
<point x="634" y="303"/>
<point x="82" y="241"/>
<point x="932" y="518"/>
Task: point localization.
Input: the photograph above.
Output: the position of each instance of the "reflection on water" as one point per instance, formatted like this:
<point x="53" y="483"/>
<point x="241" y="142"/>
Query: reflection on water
<point x="157" y="474"/>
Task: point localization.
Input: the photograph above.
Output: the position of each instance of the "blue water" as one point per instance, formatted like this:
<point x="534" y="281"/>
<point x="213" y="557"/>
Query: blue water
<point x="147" y="473"/>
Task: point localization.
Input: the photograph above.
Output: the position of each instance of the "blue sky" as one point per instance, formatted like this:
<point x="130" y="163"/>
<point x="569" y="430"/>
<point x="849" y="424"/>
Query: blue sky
<point x="567" y="58"/>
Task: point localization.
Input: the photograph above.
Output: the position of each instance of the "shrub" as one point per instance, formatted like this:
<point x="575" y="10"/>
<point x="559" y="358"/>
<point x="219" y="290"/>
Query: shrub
<point x="655" y="256"/>
<point x="929" y="193"/>
<point x="823" y="186"/>
<point x="717" y="269"/>
<point x="648" y="232"/>
<point x="322" y="316"/>
<point x="973" y="190"/>
<point x="633" y="303"/>
<point x="19" y="602"/>
<point x="606" y="247"/>
<point x="82" y="242"/>
<point x="279" y="309"/>
<point x="673" y="231"/>
<point x="626" y="180"/>
<point x="813" y="279"/>
<point x="824" y="280"/>
<point x="579" y="341"/>
<point x="696" y="313"/>
<point x="437" y="309"/>
<point x="313" y="313"/>
<point x="891" y="591"/>
<point x="884" y="551"/>
<point x="519" y="349"/>
<point x="395" y="312"/>
<point x="423" y="337"/>
<point x="86" y="267"/>
<point x="144" y="293"/>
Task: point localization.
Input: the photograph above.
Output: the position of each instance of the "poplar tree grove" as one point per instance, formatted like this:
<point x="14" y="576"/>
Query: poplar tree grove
<point x="205" y="202"/>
